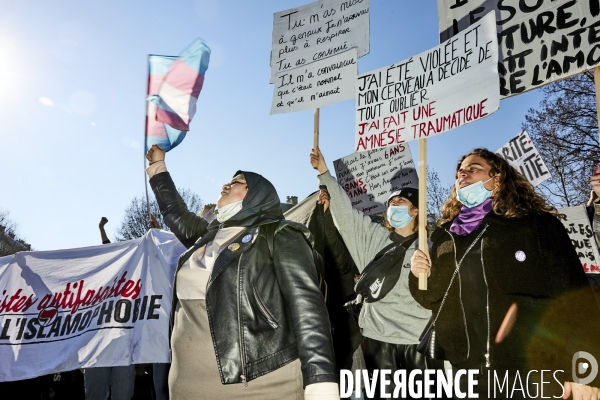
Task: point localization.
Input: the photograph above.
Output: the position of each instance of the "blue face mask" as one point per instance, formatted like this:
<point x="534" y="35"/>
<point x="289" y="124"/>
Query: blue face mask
<point x="398" y="216"/>
<point x="474" y="194"/>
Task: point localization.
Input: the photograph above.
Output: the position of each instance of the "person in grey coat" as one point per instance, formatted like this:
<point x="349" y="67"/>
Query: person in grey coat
<point x="390" y="319"/>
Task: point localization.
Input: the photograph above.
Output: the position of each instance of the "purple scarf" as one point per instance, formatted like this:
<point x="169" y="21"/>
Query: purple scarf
<point x="468" y="219"/>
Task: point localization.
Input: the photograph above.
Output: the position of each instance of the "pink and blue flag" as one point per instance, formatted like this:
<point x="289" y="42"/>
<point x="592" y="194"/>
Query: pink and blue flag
<point x="174" y="84"/>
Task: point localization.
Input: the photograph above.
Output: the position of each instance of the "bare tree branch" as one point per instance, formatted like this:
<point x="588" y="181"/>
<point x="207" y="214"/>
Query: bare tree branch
<point x="10" y="242"/>
<point x="136" y="220"/>
<point x="436" y="196"/>
<point x="564" y="129"/>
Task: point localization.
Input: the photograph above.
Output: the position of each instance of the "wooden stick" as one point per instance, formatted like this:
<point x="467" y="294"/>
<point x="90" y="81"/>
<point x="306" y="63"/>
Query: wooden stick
<point x="423" y="207"/>
<point x="316" y="123"/>
<point x="597" y="83"/>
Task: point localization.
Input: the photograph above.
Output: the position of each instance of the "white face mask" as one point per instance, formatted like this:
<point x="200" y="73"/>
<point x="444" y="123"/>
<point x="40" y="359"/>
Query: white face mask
<point x="474" y="194"/>
<point x="398" y="216"/>
<point x="228" y="211"/>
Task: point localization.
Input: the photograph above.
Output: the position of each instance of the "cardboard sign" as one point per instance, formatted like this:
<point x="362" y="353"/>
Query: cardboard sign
<point x="581" y="233"/>
<point x="369" y="177"/>
<point x="318" y="30"/>
<point x="540" y="41"/>
<point x="522" y="154"/>
<point x="440" y="89"/>
<point x="316" y="85"/>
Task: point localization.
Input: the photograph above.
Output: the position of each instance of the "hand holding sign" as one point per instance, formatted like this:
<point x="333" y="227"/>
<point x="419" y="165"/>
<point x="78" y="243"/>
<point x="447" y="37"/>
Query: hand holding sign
<point x="420" y="263"/>
<point x="317" y="161"/>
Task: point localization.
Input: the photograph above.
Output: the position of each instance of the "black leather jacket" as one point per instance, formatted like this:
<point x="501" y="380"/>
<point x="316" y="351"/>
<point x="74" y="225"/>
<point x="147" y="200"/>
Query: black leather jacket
<point x="263" y="311"/>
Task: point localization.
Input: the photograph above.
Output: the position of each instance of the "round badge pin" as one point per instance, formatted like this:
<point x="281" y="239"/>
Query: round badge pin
<point x="520" y="256"/>
<point x="247" y="238"/>
<point x="233" y="247"/>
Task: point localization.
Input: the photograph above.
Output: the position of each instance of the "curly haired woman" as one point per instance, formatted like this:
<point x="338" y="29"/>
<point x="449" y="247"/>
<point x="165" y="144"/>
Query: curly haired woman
<point x="498" y="247"/>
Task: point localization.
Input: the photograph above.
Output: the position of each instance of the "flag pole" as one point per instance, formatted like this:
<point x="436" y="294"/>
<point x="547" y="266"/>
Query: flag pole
<point x="423" y="207"/>
<point x="316" y="129"/>
<point x="145" y="141"/>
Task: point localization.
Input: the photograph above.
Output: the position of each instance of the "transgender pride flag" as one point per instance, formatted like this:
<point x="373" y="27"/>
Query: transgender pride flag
<point x="174" y="84"/>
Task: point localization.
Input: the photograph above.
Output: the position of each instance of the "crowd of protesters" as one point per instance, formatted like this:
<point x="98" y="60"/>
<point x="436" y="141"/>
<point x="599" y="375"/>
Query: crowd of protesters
<point x="505" y="292"/>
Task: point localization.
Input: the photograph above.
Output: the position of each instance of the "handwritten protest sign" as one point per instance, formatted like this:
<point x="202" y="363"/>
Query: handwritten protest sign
<point x="440" y="89"/>
<point x="318" y="30"/>
<point x="318" y="84"/>
<point x="370" y="176"/>
<point x="578" y="227"/>
<point x="540" y="41"/>
<point x="522" y="154"/>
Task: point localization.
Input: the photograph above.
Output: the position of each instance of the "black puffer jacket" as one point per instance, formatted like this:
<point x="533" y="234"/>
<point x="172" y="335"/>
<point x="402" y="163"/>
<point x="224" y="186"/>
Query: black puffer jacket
<point x="263" y="311"/>
<point x="529" y="261"/>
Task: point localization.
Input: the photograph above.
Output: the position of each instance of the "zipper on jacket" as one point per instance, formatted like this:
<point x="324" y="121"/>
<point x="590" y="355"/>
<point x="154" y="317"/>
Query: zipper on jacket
<point x="462" y="307"/>
<point x="264" y="310"/>
<point x="488" y="364"/>
<point x="457" y="266"/>
<point x="239" y="299"/>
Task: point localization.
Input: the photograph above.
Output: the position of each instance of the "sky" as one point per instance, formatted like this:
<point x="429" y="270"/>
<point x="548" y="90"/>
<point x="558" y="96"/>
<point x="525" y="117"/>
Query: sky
<point x="72" y="106"/>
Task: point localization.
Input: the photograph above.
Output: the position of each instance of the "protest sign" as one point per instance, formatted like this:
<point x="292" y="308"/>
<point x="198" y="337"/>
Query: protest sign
<point x="540" y="41"/>
<point x="522" y="154"/>
<point x="318" y="30"/>
<point x="99" y="306"/>
<point x="370" y="176"/>
<point x="318" y="84"/>
<point x="440" y="89"/>
<point x="578" y="227"/>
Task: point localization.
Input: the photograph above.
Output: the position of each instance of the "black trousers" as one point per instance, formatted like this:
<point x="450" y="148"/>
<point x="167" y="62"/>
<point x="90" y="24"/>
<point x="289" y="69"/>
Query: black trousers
<point x="382" y="355"/>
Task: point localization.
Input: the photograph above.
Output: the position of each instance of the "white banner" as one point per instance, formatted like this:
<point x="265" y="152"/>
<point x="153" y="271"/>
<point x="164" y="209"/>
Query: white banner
<point x="440" y="89"/>
<point x="540" y="41"/>
<point x="578" y="227"/>
<point x="96" y="306"/>
<point x="522" y="154"/>
<point x="317" y="85"/>
<point x="369" y="177"/>
<point x="318" y="30"/>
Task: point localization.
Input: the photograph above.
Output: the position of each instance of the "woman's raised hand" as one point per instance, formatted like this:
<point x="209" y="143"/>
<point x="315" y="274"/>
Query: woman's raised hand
<point x="420" y="263"/>
<point x="155" y="153"/>
<point x="317" y="161"/>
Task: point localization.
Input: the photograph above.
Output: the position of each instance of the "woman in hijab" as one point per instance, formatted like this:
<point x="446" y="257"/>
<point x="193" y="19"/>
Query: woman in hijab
<point x="248" y="319"/>
<point x="501" y="259"/>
